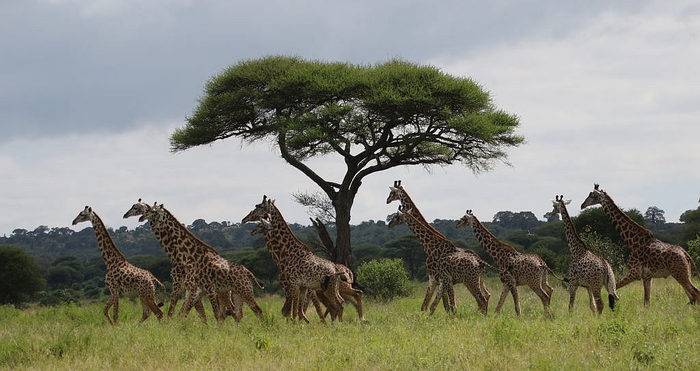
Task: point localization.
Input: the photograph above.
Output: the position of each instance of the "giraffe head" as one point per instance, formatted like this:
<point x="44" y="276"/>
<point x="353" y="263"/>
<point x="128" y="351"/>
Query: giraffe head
<point x="84" y="216"/>
<point x="260" y="210"/>
<point x="394" y="192"/>
<point x="264" y="226"/>
<point x="138" y="208"/>
<point x="468" y="219"/>
<point x="594" y="198"/>
<point x="397" y="218"/>
<point x="559" y="204"/>
<point x="154" y="213"/>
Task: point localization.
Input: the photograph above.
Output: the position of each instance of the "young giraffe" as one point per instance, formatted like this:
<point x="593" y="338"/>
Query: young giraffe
<point x="398" y="193"/>
<point x="208" y="273"/>
<point x="121" y="276"/>
<point x="649" y="257"/>
<point x="445" y="263"/>
<point x="516" y="269"/>
<point x="300" y="269"/>
<point x="586" y="268"/>
<point x="345" y="288"/>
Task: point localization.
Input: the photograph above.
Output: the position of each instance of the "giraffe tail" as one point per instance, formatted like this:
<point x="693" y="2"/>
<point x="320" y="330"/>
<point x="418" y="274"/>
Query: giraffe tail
<point x="610" y="285"/>
<point x="163" y="291"/>
<point x="554" y="274"/>
<point x="691" y="261"/>
<point x="256" y="281"/>
<point x="489" y="266"/>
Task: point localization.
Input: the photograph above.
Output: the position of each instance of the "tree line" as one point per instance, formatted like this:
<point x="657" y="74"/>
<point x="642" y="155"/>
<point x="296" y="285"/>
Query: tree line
<point x="61" y="265"/>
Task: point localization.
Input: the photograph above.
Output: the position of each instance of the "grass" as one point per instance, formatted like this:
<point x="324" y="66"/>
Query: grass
<point x="398" y="336"/>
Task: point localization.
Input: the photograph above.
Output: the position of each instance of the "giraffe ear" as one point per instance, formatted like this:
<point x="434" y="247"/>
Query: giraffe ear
<point x="566" y="202"/>
<point x="555" y="202"/>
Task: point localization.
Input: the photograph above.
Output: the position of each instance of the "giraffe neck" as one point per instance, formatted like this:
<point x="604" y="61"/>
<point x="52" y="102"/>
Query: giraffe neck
<point x="498" y="250"/>
<point x="576" y="246"/>
<point x="177" y="234"/>
<point x="281" y="238"/>
<point x="631" y="232"/>
<point x="161" y="233"/>
<point x="408" y="204"/>
<point x="110" y="254"/>
<point x="433" y="243"/>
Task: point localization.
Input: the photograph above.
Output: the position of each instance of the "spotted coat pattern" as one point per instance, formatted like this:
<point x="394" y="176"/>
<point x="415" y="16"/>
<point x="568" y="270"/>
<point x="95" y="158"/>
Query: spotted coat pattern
<point x="586" y="268"/>
<point x="515" y="268"/>
<point x="446" y="264"/>
<point x="121" y="276"/>
<point x="649" y="257"/>
<point x="299" y="269"/>
<point x="398" y="193"/>
<point x="207" y="273"/>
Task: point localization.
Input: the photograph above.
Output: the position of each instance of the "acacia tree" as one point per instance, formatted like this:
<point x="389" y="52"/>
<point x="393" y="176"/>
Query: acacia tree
<point x="374" y="117"/>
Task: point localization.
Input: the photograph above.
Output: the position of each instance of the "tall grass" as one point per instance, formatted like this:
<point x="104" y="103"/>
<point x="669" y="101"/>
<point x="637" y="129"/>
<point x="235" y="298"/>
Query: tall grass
<point x="397" y="336"/>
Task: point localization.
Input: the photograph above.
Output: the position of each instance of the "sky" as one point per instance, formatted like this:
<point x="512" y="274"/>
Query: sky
<point x="90" y="91"/>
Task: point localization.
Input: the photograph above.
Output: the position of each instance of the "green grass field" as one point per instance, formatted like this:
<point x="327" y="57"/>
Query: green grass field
<point x="398" y="336"/>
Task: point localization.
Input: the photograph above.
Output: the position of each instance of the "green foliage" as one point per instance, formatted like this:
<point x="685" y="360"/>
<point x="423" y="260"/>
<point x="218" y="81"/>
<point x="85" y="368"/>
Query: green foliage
<point x="20" y="276"/>
<point x="385" y="279"/>
<point x="694" y="251"/>
<point x="595" y="219"/>
<point x="691" y="218"/>
<point x="59" y="297"/>
<point x="606" y="248"/>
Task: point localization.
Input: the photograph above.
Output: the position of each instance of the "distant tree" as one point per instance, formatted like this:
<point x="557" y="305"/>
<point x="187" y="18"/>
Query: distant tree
<point x="654" y="215"/>
<point x="691" y="219"/>
<point x="408" y="249"/>
<point x="525" y="220"/>
<point x="550" y="217"/>
<point x="20" y="276"/>
<point x="372" y="117"/>
<point x="594" y="219"/>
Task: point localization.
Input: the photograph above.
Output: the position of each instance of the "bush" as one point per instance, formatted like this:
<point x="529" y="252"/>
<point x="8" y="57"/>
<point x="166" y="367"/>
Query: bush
<point x="384" y="279"/>
<point x="59" y="297"/>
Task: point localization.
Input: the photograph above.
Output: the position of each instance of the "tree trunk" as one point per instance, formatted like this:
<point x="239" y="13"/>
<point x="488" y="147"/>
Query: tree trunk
<point x="342" y="224"/>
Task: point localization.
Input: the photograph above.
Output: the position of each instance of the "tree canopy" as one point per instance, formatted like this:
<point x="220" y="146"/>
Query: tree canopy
<point x="20" y="276"/>
<point x="375" y="117"/>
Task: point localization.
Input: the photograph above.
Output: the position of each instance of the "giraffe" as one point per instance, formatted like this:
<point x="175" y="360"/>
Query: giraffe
<point x="354" y="296"/>
<point x="208" y="273"/>
<point x="586" y="268"/>
<point x="178" y="270"/>
<point x="121" y="276"/>
<point x="398" y="193"/>
<point x="516" y="269"/>
<point x="649" y="257"/>
<point x="300" y="270"/>
<point x="445" y="263"/>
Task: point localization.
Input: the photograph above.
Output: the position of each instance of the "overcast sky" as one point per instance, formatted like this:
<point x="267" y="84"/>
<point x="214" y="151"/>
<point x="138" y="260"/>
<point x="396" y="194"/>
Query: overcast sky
<point x="90" y="91"/>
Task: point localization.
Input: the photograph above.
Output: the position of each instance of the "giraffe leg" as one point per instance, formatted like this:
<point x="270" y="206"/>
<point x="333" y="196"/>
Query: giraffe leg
<point x="451" y="294"/>
<point x="647" y="290"/>
<point x="572" y="295"/>
<point x="108" y="305"/>
<point x="598" y="300"/>
<point x="115" y="315"/>
<point x="249" y="298"/>
<point x="300" y="308"/>
<point x="177" y="290"/>
<point x="547" y="288"/>
<point x="633" y="276"/>
<point x="440" y="293"/>
<point x="516" y="298"/>
<point x="481" y="301"/>
<point x="504" y="294"/>
<point x="238" y="304"/>
<point x="684" y="279"/>
<point x="543" y="297"/>
<point x="316" y="301"/>
<point x="146" y="311"/>
<point x="355" y="297"/>
<point x="432" y="283"/>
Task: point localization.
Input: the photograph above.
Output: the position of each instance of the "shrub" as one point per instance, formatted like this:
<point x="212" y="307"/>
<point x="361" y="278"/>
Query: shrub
<point x="384" y="279"/>
<point x="694" y="251"/>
